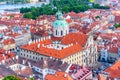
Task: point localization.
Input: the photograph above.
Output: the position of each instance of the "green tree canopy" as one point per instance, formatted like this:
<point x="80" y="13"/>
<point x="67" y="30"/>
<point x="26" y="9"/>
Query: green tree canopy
<point x="11" y="77"/>
<point x="117" y="25"/>
<point x="63" y="5"/>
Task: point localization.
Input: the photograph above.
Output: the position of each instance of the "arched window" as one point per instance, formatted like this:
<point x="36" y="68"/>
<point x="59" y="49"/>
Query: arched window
<point x="56" y="32"/>
<point x="61" y="32"/>
<point x="66" y="31"/>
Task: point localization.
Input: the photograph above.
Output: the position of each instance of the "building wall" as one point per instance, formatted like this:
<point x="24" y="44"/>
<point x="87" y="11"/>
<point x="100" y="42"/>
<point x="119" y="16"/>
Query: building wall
<point x="108" y="56"/>
<point x="22" y="39"/>
<point x="9" y="46"/>
<point x="90" y="52"/>
<point x="76" y="58"/>
<point x="17" y="67"/>
<point x="112" y="56"/>
<point x="103" y="55"/>
<point x="57" y="31"/>
<point x="34" y="1"/>
<point x="31" y="55"/>
<point x="87" y="57"/>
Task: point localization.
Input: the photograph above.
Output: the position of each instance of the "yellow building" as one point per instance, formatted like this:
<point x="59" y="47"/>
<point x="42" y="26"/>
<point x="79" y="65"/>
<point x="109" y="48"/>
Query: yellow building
<point x="34" y="1"/>
<point x="9" y="44"/>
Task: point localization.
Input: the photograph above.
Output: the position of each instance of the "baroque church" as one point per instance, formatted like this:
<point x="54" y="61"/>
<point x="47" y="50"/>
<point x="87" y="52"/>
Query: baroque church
<point x="72" y="47"/>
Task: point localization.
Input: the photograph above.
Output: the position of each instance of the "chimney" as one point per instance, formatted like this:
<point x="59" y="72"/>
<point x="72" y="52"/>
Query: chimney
<point x="29" y="64"/>
<point x="63" y="62"/>
<point x="43" y="38"/>
<point x="65" y="75"/>
<point x="29" y="43"/>
<point x="39" y="40"/>
<point x="34" y="41"/>
<point x="50" y="57"/>
<point x="9" y="52"/>
<point x="3" y="61"/>
<point x="42" y="45"/>
<point x="38" y="45"/>
<point x="23" y="62"/>
<point x="45" y="62"/>
<point x="17" y="57"/>
<point x="6" y="52"/>
<point x="108" y="47"/>
<point x="71" y="44"/>
<point x="13" y="58"/>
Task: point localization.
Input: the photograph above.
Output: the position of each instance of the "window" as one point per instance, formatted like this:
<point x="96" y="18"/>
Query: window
<point x="56" y="32"/>
<point x="61" y="32"/>
<point x="66" y="31"/>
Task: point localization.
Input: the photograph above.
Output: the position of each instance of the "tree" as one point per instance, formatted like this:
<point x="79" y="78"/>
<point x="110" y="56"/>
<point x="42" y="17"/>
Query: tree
<point x="28" y="15"/>
<point x="63" y="5"/>
<point x="31" y="78"/>
<point x="117" y="25"/>
<point x="11" y="77"/>
<point x="97" y="17"/>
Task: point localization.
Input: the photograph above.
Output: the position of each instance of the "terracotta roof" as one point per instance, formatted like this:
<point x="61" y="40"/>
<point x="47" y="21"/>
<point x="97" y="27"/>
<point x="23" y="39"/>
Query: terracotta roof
<point x="113" y="50"/>
<point x="4" y="55"/>
<point x="79" y="72"/>
<point x="25" y="72"/>
<point x="69" y="20"/>
<point x="58" y="76"/>
<point x="50" y="51"/>
<point x="117" y="19"/>
<point x="74" y="38"/>
<point x="114" y="70"/>
<point x="56" y="38"/>
<point x="101" y="77"/>
<point x="13" y="35"/>
<point x="8" y="41"/>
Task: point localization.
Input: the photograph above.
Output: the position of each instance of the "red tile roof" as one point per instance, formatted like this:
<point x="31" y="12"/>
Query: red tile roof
<point x="114" y="70"/>
<point x="52" y="52"/>
<point x="58" y="76"/>
<point x="5" y="55"/>
<point x="113" y="50"/>
<point x="8" y="41"/>
<point x="74" y="38"/>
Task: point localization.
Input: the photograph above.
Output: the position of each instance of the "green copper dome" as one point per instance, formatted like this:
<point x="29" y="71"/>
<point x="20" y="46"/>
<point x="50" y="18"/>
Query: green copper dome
<point x="60" y="22"/>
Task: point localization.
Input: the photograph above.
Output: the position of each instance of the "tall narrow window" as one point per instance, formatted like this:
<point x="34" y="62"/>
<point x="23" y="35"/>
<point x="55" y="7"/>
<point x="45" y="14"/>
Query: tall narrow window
<point x="66" y="31"/>
<point x="56" y="32"/>
<point x="61" y="33"/>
